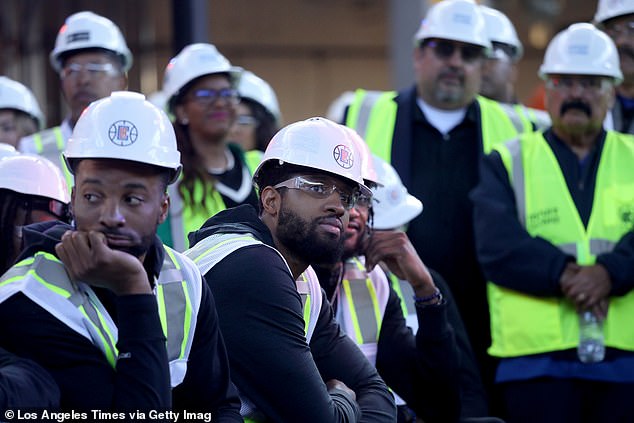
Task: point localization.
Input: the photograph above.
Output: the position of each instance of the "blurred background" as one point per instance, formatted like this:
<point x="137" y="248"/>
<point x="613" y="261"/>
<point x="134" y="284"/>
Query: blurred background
<point x="310" y="51"/>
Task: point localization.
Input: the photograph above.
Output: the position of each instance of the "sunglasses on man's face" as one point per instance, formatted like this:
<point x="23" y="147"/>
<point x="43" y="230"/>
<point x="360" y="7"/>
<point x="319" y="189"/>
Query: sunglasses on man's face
<point x="444" y="49"/>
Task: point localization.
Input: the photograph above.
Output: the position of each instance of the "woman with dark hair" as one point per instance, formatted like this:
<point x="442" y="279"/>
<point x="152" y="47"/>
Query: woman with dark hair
<point x="258" y="117"/>
<point x="32" y="190"/>
<point x="200" y="85"/>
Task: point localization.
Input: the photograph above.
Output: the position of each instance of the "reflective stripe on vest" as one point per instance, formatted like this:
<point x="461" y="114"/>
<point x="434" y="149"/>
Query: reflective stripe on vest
<point x="405" y="293"/>
<point x="547" y="210"/>
<point x="373" y="115"/>
<point x="211" y="250"/>
<point x="362" y="299"/>
<point x="50" y="143"/>
<point x="43" y="279"/>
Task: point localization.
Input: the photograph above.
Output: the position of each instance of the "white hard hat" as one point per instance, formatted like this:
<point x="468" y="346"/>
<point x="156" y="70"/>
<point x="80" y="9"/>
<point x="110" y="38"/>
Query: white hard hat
<point x="257" y="89"/>
<point x="608" y="9"/>
<point x="14" y="95"/>
<point x="500" y="29"/>
<point x="125" y="126"/>
<point x="33" y="175"/>
<point x="86" y="30"/>
<point x="581" y="49"/>
<point x="316" y="143"/>
<point x="393" y="207"/>
<point x="194" y="61"/>
<point x="368" y="172"/>
<point x="457" y="20"/>
<point x="7" y="150"/>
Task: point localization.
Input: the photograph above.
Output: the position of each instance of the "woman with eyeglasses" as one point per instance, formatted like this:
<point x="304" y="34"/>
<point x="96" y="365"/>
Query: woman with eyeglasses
<point x="200" y="85"/>
<point x="32" y="190"/>
<point x="258" y="117"/>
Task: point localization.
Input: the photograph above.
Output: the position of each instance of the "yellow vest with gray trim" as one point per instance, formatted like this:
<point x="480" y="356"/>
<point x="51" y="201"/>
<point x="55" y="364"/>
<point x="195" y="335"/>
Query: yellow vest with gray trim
<point x="361" y="302"/>
<point x="50" y="143"/>
<point x="373" y="115"/>
<point x="43" y="279"/>
<point x="211" y="250"/>
<point x="522" y="324"/>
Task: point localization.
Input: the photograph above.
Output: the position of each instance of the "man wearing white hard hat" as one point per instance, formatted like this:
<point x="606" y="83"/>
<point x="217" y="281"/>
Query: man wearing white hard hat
<point x="20" y="113"/>
<point x="92" y="60"/>
<point x="284" y="347"/>
<point x="119" y="320"/>
<point x="616" y="18"/>
<point x="434" y="134"/>
<point x="554" y="214"/>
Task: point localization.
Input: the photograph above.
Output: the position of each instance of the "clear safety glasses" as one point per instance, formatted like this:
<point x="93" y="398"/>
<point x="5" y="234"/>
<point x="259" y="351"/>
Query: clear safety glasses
<point x="317" y="189"/>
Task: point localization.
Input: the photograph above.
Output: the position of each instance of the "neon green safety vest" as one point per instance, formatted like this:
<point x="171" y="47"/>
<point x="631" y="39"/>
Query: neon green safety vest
<point x="405" y="293"/>
<point x="43" y="278"/>
<point x="253" y="159"/>
<point x="50" y="143"/>
<point x="182" y="220"/>
<point x="211" y="250"/>
<point x="522" y="324"/>
<point x="361" y="302"/>
<point x="373" y="115"/>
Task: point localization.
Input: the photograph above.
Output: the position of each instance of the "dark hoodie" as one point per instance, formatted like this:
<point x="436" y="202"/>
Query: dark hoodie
<point x="261" y="320"/>
<point x="141" y="380"/>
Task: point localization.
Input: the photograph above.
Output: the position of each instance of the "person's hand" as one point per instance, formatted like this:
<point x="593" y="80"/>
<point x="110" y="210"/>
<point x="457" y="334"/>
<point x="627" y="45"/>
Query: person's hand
<point x="88" y="258"/>
<point x="588" y="286"/>
<point x="337" y="384"/>
<point x="399" y="255"/>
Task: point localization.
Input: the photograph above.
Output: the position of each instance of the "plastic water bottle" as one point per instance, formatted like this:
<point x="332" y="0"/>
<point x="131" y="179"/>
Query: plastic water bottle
<point x="591" y="348"/>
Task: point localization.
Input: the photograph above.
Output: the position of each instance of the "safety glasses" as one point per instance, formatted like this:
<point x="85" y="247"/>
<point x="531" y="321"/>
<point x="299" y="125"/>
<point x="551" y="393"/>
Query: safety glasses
<point x="94" y="70"/>
<point x="593" y="84"/>
<point x="444" y="49"/>
<point x="321" y="189"/>
<point x="54" y="207"/>
<point x="208" y="96"/>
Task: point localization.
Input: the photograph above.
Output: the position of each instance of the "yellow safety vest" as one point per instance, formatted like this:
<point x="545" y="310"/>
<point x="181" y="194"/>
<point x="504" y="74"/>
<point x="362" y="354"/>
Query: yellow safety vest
<point x="253" y="159"/>
<point x="373" y="115"/>
<point x="361" y="302"/>
<point x="405" y="293"/>
<point x="211" y="250"/>
<point x="522" y="324"/>
<point x="50" y="143"/>
<point x="43" y="278"/>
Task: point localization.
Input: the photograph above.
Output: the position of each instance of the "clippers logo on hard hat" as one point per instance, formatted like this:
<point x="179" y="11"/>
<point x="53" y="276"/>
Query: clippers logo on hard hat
<point x="343" y="156"/>
<point x="123" y="133"/>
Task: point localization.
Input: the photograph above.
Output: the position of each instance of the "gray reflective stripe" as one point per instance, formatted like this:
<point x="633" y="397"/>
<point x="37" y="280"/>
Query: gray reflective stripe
<point x="513" y="116"/>
<point x="600" y="246"/>
<point x="517" y="178"/>
<point x="407" y="296"/>
<point x="365" y="110"/>
<point x="175" y="303"/>
<point x="51" y="140"/>
<point x="570" y="249"/>
<point x="177" y="226"/>
<point x="364" y="309"/>
<point x="211" y="250"/>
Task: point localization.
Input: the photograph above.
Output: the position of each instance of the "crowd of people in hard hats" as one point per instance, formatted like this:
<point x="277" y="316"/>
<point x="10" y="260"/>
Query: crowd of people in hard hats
<point x="187" y="257"/>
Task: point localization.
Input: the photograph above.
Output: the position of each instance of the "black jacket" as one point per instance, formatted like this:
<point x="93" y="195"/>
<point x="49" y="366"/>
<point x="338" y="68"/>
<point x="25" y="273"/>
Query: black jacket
<point x="141" y="380"/>
<point x="262" y="322"/>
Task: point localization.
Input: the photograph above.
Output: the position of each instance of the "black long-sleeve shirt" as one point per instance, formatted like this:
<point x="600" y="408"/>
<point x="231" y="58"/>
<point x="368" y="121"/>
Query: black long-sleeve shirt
<point x="510" y="256"/>
<point x="141" y="380"/>
<point x="261" y="318"/>
<point x="24" y="384"/>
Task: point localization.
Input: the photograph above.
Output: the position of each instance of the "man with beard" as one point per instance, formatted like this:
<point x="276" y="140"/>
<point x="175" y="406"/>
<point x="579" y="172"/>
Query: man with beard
<point x="92" y="60"/>
<point x="434" y="135"/>
<point x="553" y="225"/>
<point x="288" y="357"/>
<point x="616" y="18"/>
<point x="121" y="322"/>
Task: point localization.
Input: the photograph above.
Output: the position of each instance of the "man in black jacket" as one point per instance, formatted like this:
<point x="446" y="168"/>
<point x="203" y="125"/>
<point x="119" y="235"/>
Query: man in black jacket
<point x="121" y="322"/>
<point x="288" y="357"/>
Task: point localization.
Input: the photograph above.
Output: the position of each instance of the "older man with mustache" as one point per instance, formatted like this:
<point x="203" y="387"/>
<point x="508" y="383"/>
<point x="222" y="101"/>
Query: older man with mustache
<point x="616" y="18"/>
<point x="554" y="234"/>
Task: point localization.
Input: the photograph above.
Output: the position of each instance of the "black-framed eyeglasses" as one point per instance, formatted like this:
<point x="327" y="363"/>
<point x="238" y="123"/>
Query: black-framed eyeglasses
<point x="616" y="30"/>
<point x="592" y="84"/>
<point x="444" y="49"/>
<point x="321" y="190"/>
<point x="94" y="70"/>
<point x="208" y="96"/>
